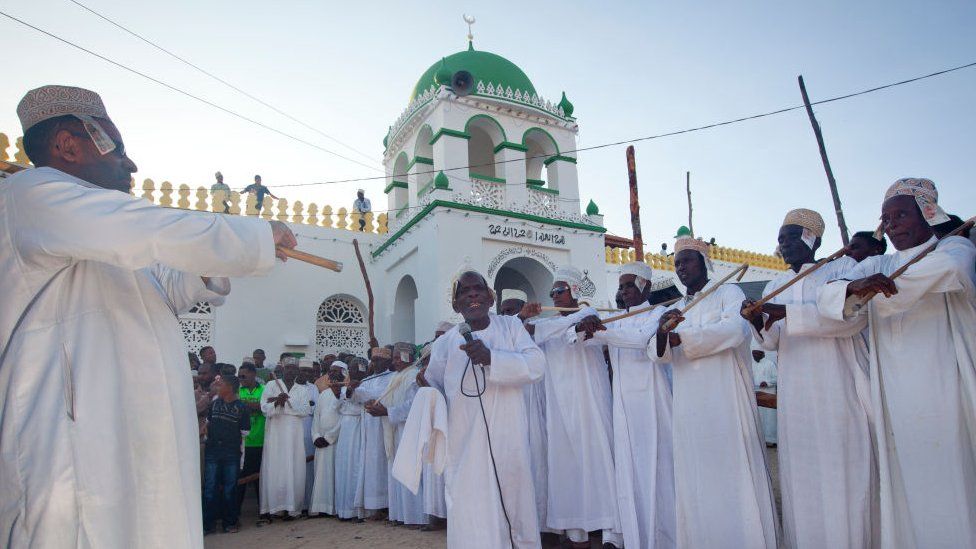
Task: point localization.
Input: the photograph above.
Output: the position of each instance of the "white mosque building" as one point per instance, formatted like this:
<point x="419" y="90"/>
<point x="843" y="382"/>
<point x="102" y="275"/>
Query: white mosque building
<point x="483" y="177"/>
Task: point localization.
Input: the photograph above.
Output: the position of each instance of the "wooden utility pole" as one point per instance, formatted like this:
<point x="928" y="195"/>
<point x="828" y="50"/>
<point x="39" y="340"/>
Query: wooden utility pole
<point x="691" y="226"/>
<point x="826" y="164"/>
<point x="634" y="204"/>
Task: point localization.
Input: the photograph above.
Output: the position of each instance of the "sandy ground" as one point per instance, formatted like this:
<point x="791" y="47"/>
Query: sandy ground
<point x="328" y="532"/>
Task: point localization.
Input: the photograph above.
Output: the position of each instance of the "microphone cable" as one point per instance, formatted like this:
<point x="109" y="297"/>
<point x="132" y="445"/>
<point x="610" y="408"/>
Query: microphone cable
<point x="479" y="390"/>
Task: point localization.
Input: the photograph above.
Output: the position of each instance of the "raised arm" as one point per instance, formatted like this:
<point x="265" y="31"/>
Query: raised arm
<point x="728" y="332"/>
<point x="55" y="222"/>
<point x="183" y="290"/>
<point x="947" y="269"/>
<point x="523" y="365"/>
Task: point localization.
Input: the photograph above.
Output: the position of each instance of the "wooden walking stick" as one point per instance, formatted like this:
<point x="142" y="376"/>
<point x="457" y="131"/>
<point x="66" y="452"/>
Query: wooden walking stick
<point x="311" y="259"/>
<point x="373" y="342"/>
<point x="741" y="271"/>
<point x="759" y="303"/>
<point x="841" y="224"/>
<point x="577" y="309"/>
<point x="634" y="204"/>
<point x="281" y="387"/>
<point x="629" y="314"/>
<point x="860" y="302"/>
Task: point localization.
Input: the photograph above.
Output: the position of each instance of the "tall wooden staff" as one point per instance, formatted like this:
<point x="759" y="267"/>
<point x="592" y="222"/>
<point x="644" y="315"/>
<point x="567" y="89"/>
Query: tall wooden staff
<point x="373" y="342"/>
<point x="634" y="204"/>
<point x="826" y="164"/>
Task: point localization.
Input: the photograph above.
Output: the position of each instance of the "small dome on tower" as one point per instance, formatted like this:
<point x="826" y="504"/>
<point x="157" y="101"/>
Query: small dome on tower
<point x="591" y="208"/>
<point x="566" y="106"/>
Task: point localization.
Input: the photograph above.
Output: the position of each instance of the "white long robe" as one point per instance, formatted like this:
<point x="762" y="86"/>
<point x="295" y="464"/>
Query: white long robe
<point x="642" y="410"/>
<point x="86" y="468"/>
<point x="373" y="490"/>
<point x="535" y="414"/>
<point x="827" y="470"/>
<point x="283" y="460"/>
<point x="723" y="493"/>
<point x="764" y="371"/>
<point x="313" y="394"/>
<point x="348" y="457"/>
<point x="325" y="425"/>
<point x="405" y="506"/>
<point x="582" y="491"/>
<point x="923" y="385"/>
<point x="475" y="518"/>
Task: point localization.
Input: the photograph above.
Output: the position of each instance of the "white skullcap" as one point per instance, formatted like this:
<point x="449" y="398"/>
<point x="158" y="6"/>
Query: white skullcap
<point x="571" y="276"/>
<point x="639" y="269"/>
<point x="514" y="294"/>
<point x="340" y="364"/>
<point x="48" y="102"/>
<point x="925" y="194"/>
<point x="289" y="360"/>
<point x="444" y="326"/>
<point x="306" y="363"/>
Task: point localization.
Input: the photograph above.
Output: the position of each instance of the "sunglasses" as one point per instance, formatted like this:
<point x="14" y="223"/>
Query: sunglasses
<point x="558" y="291"/>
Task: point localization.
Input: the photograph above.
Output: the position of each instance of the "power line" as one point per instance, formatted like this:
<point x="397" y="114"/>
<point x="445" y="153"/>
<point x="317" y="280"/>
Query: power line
<point x="493" y="163"/>
<point x="186" y="93"/>
<point x="218" y="79"/>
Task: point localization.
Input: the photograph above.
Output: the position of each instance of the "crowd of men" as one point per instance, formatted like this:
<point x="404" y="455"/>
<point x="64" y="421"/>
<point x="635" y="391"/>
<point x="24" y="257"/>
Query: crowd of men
<point x="511" y="425"/>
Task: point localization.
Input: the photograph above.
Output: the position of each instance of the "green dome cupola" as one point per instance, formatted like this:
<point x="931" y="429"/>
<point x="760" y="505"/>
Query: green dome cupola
<point x="483" y="66"/>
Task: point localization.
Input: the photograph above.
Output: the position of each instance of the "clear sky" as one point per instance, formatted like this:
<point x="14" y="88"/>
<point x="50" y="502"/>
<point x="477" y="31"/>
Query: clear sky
<point x="631" y="69"/>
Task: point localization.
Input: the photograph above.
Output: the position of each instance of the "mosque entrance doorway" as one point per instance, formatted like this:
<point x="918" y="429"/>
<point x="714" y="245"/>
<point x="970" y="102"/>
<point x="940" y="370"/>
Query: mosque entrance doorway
<point x="404" y="317"/>
<point x="526" y="274"/>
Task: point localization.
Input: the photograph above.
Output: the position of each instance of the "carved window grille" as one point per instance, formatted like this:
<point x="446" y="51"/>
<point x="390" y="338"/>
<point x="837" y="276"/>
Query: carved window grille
<point x="197" y="326"/>
<point x="341" y="326"/>
<point x="542" y="203"/>
<point x="487" y="194"/>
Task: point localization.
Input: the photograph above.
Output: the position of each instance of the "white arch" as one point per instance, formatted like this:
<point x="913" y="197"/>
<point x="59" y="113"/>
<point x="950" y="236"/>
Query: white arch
<point x="340" y="325"/>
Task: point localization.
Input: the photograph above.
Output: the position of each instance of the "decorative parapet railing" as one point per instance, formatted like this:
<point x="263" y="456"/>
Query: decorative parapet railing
<point x="12" y="163"/>
<point x="619" y="256"/>
<point x="234" y="203"/>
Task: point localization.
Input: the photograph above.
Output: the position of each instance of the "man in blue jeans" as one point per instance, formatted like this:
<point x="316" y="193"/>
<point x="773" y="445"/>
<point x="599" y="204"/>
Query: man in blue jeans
<point x="226" y="419"/>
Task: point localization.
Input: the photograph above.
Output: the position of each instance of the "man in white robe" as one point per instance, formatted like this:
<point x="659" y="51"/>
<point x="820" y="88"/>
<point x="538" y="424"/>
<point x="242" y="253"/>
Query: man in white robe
<point x="285" y="404"/>
<point x="582" y="491"/>
<point x="325" y="434"/>
<point x="490" y="502"/>
<point x="306" y="377"/>
<point x="373" y="491"/>
<point x="349" y="450"/>
<point x="393" y="406"/>
<point x="433" y="482"/>
<point x="93" y="279"/>
<point x="723" y="493"/>
<point x="643" y="463"/>
<point x="764" y="383"/>
<point x="923" y="377"/>
<point x="827" y="470"/>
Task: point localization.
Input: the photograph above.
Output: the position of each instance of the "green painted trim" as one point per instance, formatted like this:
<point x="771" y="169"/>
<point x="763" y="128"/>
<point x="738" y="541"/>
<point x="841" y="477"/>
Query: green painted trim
<point x="546" y="190"/>
<point x="478" y="209"/>
<point x="510" y="145"/>
<point x="498" y="124"/>
<point x="395" y="185"/>
<point x="552" y="159"/>
<point x="538" y="129"/>
<point x="420" y="160"/>
<point x="449" y="132"/>
<point x="425" y="188"/>
<point x="486" y="178"/>
<point x="535" y="182"/>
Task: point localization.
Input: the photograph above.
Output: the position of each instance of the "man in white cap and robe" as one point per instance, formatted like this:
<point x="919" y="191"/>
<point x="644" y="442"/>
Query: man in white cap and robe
<point x="372" y="493"/>
<point x="511" y="302"/>
<point x="306" y="376"/>
<point x="581" y="484"/>
<point x="827" y="470"/>
<point x="643" y="463"/>
<point x="922" y="371"/>
<point x="285" y="403"/>
<point x="723" y="494"/>
<point x="348" y="452"/>
<point x="89" y="311"/>
<point x="325" y="434"/>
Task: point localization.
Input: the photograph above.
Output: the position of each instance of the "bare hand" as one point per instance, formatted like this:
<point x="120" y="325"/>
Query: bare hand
<point x="320" y="442"/>
<point x="477" y="352"/>
<point x="674" y="339"/>
<point x="590" y="325"/>
<point x="421" y="378"/>
<point x="376" y="409"/>
<point x="667" y="319"/>
<point x="282" y="237"/>
<point x="751" y="313"/>
<point x="530" y="310"/>
<point x="773" y="313"/>
<point x="874" y="284"/>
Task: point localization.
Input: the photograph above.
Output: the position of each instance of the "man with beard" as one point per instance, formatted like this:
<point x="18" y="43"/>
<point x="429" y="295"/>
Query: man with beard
<point x="579" y="430"/>
<point x="827" y="470"/>
<point x="922" y="372"/>
<point x="285" y="404"/>
<point x="723" y="493"/>
<point x="488" y="475"/>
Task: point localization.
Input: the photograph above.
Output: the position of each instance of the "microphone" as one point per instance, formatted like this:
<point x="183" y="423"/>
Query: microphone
<point x="465" y="330"/>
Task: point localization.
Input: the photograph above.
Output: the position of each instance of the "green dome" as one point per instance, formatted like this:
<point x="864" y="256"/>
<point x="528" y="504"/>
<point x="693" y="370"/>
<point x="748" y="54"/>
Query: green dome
<point x="482" y="65"/>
